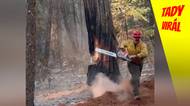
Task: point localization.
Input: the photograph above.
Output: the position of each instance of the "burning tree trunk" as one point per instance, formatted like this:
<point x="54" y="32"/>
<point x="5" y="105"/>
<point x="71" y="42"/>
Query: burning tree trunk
<point x="101" y="35"/>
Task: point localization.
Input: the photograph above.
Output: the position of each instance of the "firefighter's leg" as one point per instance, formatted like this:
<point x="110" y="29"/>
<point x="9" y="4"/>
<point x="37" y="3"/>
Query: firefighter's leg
<point x="135" y="71"/>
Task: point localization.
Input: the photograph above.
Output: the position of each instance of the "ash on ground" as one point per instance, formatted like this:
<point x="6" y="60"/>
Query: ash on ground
<point x="68" y="85"/>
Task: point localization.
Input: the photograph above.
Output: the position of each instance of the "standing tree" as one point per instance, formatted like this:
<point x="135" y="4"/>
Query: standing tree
<point x="101" y="35"/>
<point x="36" y="43"/>
<point x="30" y="51"/>
<point x="43" y="20"/>
<point x="56" y="30"/>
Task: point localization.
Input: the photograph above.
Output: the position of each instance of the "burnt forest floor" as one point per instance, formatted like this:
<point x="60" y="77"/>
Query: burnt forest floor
<point x="68" y="86"/>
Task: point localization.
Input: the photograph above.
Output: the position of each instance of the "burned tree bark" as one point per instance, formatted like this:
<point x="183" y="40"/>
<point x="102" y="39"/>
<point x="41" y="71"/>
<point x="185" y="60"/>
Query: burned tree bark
<point x="43" y="35"/>
<point x="74" y="34"/>
<point x="30" y="52"/>
<point x="101" y="35"/>
<point x="37" y="48"/>
<point x="55" y="43"/>
<point x="61" y="37"/>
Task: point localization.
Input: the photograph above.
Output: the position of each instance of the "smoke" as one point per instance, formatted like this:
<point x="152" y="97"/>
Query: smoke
<point x="103" y="84"/>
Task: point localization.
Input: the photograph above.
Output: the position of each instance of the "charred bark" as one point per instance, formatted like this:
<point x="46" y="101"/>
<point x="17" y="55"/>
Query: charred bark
<point x="101" y="35"/>
<point x="30" y="51"/>
<point x="43" y="38"/>
<point x="55" y="43"/>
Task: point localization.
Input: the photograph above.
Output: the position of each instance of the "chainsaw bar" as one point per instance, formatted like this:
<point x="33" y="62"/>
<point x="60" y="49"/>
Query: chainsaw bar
<point x="105" y="52"/>
<point x="112" y="54"/>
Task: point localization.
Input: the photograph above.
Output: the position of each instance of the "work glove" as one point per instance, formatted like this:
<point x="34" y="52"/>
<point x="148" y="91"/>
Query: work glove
<point x="122" y="54"/>
<point x="135" y="59"/>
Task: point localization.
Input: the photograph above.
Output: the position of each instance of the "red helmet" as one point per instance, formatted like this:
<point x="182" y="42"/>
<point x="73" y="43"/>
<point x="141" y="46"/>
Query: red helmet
<point x="137" y="34"/>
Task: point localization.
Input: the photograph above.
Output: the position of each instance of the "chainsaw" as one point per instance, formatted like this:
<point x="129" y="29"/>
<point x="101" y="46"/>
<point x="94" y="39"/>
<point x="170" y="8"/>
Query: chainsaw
<point x="93" y="69"/>
<point x="119" y="54"/>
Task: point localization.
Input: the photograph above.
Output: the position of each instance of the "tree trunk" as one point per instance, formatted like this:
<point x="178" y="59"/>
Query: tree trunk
<point x="74" y="34"/>
<point x="30" y="51"/>
<point x="55" y="43"/>
<point x="43" y="36"/>
<point x="101" y="35"/>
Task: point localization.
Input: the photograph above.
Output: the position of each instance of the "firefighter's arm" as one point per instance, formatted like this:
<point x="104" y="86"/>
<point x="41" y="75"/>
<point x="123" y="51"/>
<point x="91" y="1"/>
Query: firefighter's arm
<point x="144" y="51"/>
<point x="122" y="47"/>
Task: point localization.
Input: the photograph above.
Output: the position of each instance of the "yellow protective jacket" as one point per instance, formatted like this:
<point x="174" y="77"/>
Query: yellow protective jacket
<point x="140" y="50"/>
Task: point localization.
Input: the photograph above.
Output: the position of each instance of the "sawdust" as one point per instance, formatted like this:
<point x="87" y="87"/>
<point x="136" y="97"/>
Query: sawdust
<point x="111" y="99"/>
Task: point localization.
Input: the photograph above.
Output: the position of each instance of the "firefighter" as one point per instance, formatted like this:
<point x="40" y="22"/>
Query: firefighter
<point x="137" y="51"/>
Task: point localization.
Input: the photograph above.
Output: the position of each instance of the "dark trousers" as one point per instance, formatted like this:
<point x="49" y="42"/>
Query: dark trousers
<point x="135" y="70"/>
